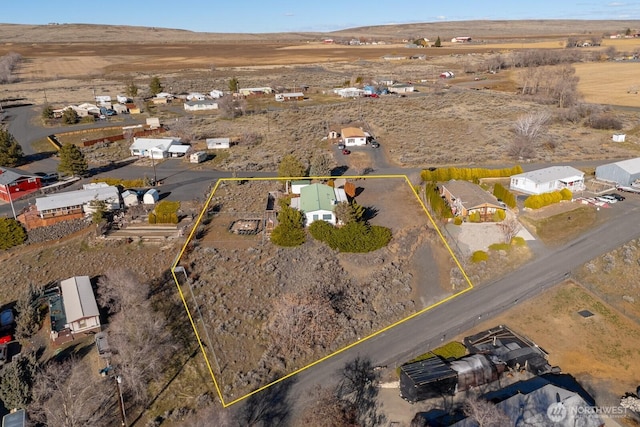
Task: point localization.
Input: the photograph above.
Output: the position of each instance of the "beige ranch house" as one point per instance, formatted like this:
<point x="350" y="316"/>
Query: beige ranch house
<point x="465" y="198"/>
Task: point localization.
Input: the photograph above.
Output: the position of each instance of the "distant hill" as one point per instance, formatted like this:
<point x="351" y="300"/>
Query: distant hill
<point x="70" y="33"/>
<point x="492" y="29"/>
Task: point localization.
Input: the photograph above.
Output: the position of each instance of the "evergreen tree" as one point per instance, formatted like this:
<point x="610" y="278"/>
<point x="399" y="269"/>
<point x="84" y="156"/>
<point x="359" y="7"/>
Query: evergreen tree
<point x="320" y="166"/>
<point x="16" y="380"/>
<point x="233" y="85"/>
<point x="70" y="117"/>
<point x="11" y="233"/>
<point x="10" y="151"/>
<point x="438" y="42"/>
<point x="99" y="210"/>
<point x="47" y="112"/>
<point x="290" y="166"/>
<point x="131" y="90"/>
<point x="72" y="161"/>
<point x="290" y="229"/>
<point x="155" y="87"/>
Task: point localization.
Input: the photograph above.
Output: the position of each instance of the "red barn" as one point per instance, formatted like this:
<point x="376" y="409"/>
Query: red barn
<point x="16" y="183"/>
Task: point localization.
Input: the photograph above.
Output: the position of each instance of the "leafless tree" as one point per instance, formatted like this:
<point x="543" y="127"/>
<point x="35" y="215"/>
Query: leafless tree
<point x="327" y="410"/>
<point x="250" y="139"/>
<point x="563" y="87"/>
<point x="358" y="389"/>
<point x="128" y="134"/>
<point x="121" y="290"/>
<point x="138" y="333"/>
<point x="510" y="228"/>
<point x="68" y="394"/>
<point x="572" y="42"/>
<point x="231" y="106"/>
<point x="183" y="128"/>
<point x="533" y="125"/>
<point x="611" y="52"/>
<point x="212" y="415"/>
<point x="485" y="413"/>
<point x="8" y="63"/>
<point x="320" y="165"/>
<point x="528" y="129"/>
<point x="300" y="324"/>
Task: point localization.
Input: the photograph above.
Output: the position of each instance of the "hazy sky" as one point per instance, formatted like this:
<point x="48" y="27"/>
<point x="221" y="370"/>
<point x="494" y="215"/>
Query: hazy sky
<point x="258" y="16"/>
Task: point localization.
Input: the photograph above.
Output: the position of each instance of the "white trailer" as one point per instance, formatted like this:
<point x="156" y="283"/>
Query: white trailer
<point x="198" y="157"/>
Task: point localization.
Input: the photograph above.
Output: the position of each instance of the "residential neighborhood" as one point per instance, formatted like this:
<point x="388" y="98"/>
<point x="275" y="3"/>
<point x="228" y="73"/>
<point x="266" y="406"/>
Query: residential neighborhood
<point x="398" y="225"/>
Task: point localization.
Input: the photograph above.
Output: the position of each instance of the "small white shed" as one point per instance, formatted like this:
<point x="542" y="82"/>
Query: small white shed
<point x="218" y="143"/>
<point x="296" y="186"/>
<point x="619" y="137"/>
<point x="151" y="197"/>
<point x="130" y="198"/>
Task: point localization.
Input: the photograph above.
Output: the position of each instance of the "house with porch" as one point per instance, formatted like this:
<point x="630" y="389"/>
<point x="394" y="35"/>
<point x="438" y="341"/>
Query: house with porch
<point x="547" y="180"/>
<point x="73" y="309"/>
<point x="318" y="201"/>
<point x="201" y="105"/>
<point x="16" y="183"/>
<point x="465" y="198"/>
<point x="156" y="148"/>
<point x="353" y="136"/>
<point x="69" y="205"/>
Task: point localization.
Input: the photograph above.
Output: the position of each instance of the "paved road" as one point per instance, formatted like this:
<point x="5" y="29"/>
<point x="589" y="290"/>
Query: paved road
<point x="422" y="332"/>
<point x="24" y="125"/>
<point x="442" y="323"/>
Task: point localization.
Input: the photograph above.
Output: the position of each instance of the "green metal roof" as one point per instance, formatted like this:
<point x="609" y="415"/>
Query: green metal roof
<point x="317" y="197"/>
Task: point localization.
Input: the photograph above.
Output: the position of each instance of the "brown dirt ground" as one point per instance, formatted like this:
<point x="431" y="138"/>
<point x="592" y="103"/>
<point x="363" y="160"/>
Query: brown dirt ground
<point x="239" y="273"/>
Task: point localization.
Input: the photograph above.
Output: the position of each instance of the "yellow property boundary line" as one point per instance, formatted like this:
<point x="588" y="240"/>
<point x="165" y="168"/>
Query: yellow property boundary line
<point x="297" y="371"/>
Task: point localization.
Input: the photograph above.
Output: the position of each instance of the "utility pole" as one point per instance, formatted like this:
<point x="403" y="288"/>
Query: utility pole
<point x="153" y="163"/>
<point x="122" y="411"/>
<point x="11" y="202"/>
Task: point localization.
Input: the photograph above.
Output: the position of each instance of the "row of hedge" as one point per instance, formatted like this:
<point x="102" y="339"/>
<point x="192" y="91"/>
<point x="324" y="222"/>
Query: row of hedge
<point x="163" y="218"/>
<point x="165" y="212"/>
<point x="467" y="174"/>
<point x="505" y="195"/>
<point x="538" y="201"/>
<point x="438" y="205"/>
<point x="126" y="183"/>
<point x="355" y="236"/>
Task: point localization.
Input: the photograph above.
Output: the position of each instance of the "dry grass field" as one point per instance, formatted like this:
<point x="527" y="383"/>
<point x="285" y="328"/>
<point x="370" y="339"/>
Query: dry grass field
<point x="369" y="290"/>
<point x="614" y="83"/>
<point x="462" y="121"/>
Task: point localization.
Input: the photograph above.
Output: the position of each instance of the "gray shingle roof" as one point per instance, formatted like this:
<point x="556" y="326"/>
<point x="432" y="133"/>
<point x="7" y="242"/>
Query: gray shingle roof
<point x="10" y="175"/>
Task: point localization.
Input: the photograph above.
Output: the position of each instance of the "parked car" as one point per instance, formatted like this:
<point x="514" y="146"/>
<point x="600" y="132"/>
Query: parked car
<point x="102" y="345"/>
<point x="375" y="144"/>
<point x="48" y="177"/>
<point x="607" y="199"/>
<point x="341" y="146"/>
<point x="346" y="152"/>
<point x="618" y="197"/>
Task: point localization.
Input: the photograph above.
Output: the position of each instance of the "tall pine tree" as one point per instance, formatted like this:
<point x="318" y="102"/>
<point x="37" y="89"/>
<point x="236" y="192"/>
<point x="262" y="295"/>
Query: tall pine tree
<point x="72" y="161"/>
<point x="10" y="151"/>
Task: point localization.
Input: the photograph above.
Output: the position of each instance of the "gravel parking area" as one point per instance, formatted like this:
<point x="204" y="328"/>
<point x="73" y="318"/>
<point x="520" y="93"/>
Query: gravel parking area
<point x="470" y="237"/>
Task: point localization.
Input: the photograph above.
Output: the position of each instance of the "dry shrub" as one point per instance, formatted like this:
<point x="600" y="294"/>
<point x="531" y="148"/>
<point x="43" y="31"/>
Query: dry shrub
<point x="604" y="121"/>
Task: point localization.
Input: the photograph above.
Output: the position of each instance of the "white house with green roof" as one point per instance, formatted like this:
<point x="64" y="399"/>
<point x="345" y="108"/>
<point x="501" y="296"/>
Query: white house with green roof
<point x="317" y="202"/>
